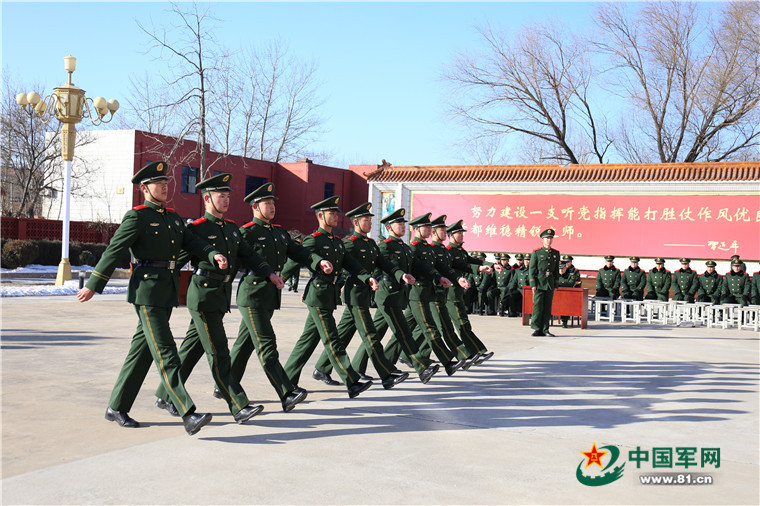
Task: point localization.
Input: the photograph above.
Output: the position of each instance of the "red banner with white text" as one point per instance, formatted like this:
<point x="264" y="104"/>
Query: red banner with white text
<point x="673" y="226"/>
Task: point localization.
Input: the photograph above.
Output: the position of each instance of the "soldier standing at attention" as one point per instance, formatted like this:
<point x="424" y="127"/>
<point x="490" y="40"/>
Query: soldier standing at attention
<point x="503" y="278"/>
<point x="208" y="299"/>
<point x="258" y="299"/>
<point x="634" y="281"/>
<point x="658" y="281"/>
<point x="710" y="284"/>
<point x="608" y="279"/>
<point x="519" y="281"/>
<point x="515" y="288"/>
<point x="736" y="285"/>
<point x="154" y="235"/>
<point x="543" y="275"/>
<point x="356" y="295"/>
<point x="569" y="277"/>
<point x="685" y="282"/>
<point x="321" y="297"/>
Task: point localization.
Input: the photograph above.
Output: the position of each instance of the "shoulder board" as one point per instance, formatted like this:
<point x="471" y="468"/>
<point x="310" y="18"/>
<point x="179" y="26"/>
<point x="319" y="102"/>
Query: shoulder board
<point x="249" y="224"/>
<point x="537" y="249"/>
<point x="449" y="246"/>
<point x="276" y="225"/>
<point x="170" y="210"/>
<point x="415" y="243"/>
<point x="667" y="271"/>
<point x="141" y="206"/>
<point x="230" y="221"/>
<point x="198" y="221"/>
<point x="353" y="238"/>
<point x="371" y="239"/>
<point x="316" y="234"/>
<point x="388" y="240"/>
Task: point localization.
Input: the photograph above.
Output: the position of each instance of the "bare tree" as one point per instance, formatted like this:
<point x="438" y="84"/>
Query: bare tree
<point x="693" y="83"/>
<point x="536" y="85"/>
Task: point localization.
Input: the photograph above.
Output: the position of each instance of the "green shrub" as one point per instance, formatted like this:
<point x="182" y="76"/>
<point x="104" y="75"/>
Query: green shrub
<point x="18" y="253"/>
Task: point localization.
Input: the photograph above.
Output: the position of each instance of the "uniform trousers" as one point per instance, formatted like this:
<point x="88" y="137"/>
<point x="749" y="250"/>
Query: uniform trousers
<point x="420" y="319"/>
<point x="206" y="334"/>
<point x="542" y="310"/>
<point x="446" y="329"/>
<point x="458" y="313"/>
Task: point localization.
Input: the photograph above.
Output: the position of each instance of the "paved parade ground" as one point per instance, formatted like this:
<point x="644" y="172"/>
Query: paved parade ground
<point x="509" y="431"/>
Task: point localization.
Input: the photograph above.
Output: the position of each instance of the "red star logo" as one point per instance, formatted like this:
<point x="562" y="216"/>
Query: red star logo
<point x="594" y="456"/>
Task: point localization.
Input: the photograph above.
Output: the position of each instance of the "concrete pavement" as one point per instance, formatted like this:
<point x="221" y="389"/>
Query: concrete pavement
<point x="508" y="431"/>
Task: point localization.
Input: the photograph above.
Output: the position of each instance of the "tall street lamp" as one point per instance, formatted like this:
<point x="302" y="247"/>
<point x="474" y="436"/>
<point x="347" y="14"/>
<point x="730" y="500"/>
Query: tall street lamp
<point x="70" y="106"/>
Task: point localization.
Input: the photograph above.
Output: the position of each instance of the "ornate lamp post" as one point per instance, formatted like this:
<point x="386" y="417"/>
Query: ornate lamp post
<point x="70" y="106"/>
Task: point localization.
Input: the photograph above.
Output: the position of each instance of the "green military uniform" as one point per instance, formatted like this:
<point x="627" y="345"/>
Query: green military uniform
<point x="486" y="283"/>
<point x="476" y="281"/>
<point x="258" y="299"/>
<point x="543" y="275"/>
<point x="710" y="285"/>
<point x="737" y="286"/>
<point x="658" y="282"/>
<point x="501" y="291"/>
<point x="291" y="274"/>
<point x="519" y="280"/>
<point x="685" y="282"/>
<point x="321" y="297"/>
<point x="608" y="280"/>
<point x="357" y="296"/>
<point x="755" y="294"/>
<point x="208" y="299"/>
<point x="633" y="282"/>
<point x="155" y="236"/>
<point x="571" y="278"/>
<point x="742" y="264"/>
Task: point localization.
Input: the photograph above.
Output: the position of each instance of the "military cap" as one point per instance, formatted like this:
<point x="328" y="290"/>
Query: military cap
<point x="562" y="264"/>
<point x="456" y="227"/>
<point x="710" y="263"/>
<point x="685" y="260"/>
<point x="154" y="171"/>
<point x="549" y="232"/>
<point x="505" y="256"/>
<point x="362" y="210"/>
<point x="734" y="257"/>
<point x="439" y="222"/>
<point x="395" y="217"/>
<point x="497" y="256"/>
<point x="519" y="256"/>
<point x="421" y="221"/>
<point x="635" y="259"/>
<point x="567" y="258"/>
<point x="736" y="262"/>
<point x="329" y="204"/>
<point x="219" y="183"/>
<point x="659" y="260"/>
<point x="609" y="258"/>
<point x="480" y="254"/>
<point x="263" y="192"/>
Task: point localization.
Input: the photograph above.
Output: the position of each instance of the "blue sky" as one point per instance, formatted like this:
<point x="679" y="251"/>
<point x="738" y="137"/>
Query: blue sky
<point x="379" y="63"/>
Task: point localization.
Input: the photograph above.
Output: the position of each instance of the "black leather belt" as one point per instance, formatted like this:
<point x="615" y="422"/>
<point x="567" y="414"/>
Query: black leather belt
<point x="158" y="264"/>
<point x="213" y="275"/>
<point x="327" y="278"/>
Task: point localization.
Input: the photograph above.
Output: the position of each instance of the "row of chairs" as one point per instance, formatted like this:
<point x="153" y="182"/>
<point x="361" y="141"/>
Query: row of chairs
<point x="675" y="312"/>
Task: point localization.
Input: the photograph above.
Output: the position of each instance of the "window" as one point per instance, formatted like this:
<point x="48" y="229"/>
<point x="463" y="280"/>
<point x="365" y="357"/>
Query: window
<point x="329" y="190"/>
<point x="189" y="179"/>
<point x="253" y="182"/>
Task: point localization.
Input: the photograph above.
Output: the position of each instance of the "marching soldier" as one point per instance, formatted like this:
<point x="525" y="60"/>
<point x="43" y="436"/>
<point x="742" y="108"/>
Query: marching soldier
<point x="634" y="280"/>
<point x="710" y="284"/>
<point x="569" y="277"/>
<point x="736" y="285"/>
<point x="685" y="282"/>
<point x="356" y="295"/>
<point x="208" y="299"/>
<point x="658" y="281"/>
<point x="321" y="297"/>
<point x="257" y="299"/>
<point x="155" y="235"/>
<point x="543" y="275"/>
<point x="608" y="279"/>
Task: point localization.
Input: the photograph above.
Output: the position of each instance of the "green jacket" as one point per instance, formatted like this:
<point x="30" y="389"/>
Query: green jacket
<point x="365" y="251"/>
<point x="685" y="283"/>
<point x="150" y="232"/>
<point x="737" y="285"/>
<point x="710" y="286"/>
<point x="609" y="279"/>
<point x="391" y="292"/>
<point x="634" y="281"/>
<point x="424" y="288"/>
<point x="658" y="283"/>
<point x="322" y="290"/>
<point x="275" y="246"/>
<point x="504" y="279"/>
<point x="571" y="278"/>
<point x="756" y="288"/>
<point x="462" y="261"/>
<point x="543" y="271"/>
<point x="204" y="293"/>
<point x="520" y="279"/>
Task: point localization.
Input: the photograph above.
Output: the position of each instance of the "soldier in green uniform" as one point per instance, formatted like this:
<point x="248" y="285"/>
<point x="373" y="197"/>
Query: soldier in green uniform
<point x="569" y="277"/>
<point x="519" y="280"/>
<point x="756" y="289"/>
<point x="658" y="281"/>
<point x="208" y="299"/>
<point x="710" y="284"/>
<point x="321" y="297"/>
<point x="608" y="279"/>
<point x="634" y="281"/>
<point x="258" y="299"/>
<point x="543" y="275"/>
<point x="736" y="285"/>
<point x="486" y="283"/>
<point x="500" y="292"/>
<point x="685" y="282"/>
<point x="155" y="235"/>
<point x="356" y="295"/>
<point x="743" y="265"/>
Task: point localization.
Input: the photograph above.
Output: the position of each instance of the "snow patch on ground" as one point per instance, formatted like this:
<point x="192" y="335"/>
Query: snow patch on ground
<point x="68" y="288"/>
